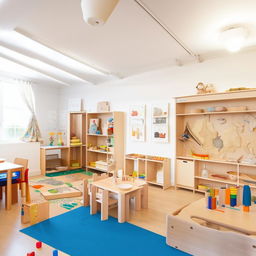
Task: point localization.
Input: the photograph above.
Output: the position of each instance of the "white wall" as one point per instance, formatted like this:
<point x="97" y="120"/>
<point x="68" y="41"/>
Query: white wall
<point x="30" y="151"/>
<point x="161" y="86"/>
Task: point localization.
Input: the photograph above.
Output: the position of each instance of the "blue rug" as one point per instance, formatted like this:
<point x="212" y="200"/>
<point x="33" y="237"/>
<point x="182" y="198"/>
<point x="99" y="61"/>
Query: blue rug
<point x="78" y="233"/>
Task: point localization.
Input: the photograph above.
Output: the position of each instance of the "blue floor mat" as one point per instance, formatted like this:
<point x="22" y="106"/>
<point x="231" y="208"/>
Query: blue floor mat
<point x="78" y="233"/>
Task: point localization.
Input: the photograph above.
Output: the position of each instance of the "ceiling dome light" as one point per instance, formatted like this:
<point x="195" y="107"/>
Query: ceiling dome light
<point x="96" y="12"/>
<point x="233" y="37"/>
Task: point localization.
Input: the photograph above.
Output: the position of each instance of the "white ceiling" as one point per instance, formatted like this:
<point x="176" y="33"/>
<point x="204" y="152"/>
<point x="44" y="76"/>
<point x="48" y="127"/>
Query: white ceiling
<point x="131" y="41"/>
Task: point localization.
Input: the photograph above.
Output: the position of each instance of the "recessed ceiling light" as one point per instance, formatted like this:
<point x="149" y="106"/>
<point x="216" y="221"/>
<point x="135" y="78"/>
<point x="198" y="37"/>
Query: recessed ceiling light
<point x="233" y="37"/>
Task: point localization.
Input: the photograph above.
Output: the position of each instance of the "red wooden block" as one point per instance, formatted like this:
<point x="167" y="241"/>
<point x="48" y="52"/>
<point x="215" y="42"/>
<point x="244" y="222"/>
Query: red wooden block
<point x="31" y="254"/>
<point x="38" y="245"/>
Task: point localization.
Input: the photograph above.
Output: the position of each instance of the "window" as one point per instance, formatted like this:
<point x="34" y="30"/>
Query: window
<point x="14" y="114"/>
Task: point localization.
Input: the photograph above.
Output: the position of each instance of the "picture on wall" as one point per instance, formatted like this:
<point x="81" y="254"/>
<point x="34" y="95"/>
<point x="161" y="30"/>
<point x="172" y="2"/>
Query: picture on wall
<point x="160" y="123"/>
<point x="137" y="122"/>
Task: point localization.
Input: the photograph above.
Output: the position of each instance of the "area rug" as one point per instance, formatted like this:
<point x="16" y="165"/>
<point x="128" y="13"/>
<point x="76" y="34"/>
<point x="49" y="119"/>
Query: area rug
<point x="78" y="233"/>
<point x="55" y="174"/>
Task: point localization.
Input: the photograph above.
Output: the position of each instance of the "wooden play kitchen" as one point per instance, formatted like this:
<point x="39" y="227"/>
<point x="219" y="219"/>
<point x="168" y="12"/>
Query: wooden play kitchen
<point x="154" y="170"/>
<point x="137" y="189"/>
<point x="88" y="148"/>
<point x="216" y="140"/>
<point x="9" y="168"/>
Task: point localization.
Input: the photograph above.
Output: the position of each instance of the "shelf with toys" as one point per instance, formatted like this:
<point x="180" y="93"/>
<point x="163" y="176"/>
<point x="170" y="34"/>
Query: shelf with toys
<point x="155" y="170"/>
<point x="215" y="149"/>
<point x="104" y="131"/>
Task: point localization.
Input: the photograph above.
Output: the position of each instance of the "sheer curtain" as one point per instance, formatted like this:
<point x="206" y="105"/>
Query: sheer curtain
<point x="32" y="133"/>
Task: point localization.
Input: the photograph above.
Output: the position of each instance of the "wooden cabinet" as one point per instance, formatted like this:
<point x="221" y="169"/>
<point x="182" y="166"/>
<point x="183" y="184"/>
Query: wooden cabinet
<point x="185" y="173"/>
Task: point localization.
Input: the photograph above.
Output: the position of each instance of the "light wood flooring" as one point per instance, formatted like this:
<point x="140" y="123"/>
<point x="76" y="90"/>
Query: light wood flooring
<point x="161" y="202"/>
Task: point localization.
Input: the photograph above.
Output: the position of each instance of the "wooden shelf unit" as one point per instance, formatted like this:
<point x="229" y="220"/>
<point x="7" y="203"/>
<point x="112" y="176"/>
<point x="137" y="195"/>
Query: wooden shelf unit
<point x="188" y="169"/>
<point x="114" y="155"/>
<point x="62" y="151"/>
<point x="77" y="127"/>
<point x="149" y="167"/>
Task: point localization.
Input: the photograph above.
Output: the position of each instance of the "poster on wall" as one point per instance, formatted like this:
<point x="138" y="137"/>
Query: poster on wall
<point x="137" y="122"/>
<point x="160" y="123"/>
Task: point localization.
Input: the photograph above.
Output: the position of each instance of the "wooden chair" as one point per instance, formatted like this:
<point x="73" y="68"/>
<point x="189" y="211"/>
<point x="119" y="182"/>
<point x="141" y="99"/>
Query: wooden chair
<point x="24" y="163"/>
<point x="102" y="197"/>
<point x="15" y="183"/>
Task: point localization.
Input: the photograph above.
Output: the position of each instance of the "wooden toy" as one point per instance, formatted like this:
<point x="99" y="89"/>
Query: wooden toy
<point x="38" y="245"/>
<point x="31" y="254"/>
<point x="63" y="191"/>
<point x="55" y="253"/>
<point x="246" y="198"/>
<point x="34" y="212"/>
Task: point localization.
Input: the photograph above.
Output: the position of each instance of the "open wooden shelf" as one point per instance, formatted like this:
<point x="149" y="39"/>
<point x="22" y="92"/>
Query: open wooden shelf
<point x="149" y="167"/>
<point x="226" y="181"/>
<point x="97" y="169"/>
<point x="217" y="113"/>
<point x="114" y="143"/>
<point x="188" y="169"/>
<point x="99" y="151"/>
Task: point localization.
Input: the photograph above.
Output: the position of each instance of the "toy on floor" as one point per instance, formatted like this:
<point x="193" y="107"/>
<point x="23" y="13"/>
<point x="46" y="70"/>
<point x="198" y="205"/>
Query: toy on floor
<point x="55" y="253"/>
<point x="31" y="254"/>
<point x="38" y="245"/>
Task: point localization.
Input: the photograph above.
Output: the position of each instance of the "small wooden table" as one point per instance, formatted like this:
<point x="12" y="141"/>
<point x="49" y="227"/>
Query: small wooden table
<point x="109" y="185"/>
<point x="9" y="168"/>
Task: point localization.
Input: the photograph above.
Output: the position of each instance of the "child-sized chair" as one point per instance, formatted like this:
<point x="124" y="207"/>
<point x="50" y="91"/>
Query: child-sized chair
<point x="102" y="197"/>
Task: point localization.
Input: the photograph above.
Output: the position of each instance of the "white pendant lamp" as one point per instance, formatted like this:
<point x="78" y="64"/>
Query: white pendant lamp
<point x="96" y="12"/>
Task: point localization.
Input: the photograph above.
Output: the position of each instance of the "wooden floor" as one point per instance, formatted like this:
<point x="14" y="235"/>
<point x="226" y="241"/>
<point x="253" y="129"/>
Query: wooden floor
<point x="161" y="202"/>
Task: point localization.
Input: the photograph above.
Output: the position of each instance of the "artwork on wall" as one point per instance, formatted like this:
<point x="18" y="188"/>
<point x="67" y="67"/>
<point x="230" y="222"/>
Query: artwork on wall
<point x="137" y="122"/>
<point x="160" y="122"/>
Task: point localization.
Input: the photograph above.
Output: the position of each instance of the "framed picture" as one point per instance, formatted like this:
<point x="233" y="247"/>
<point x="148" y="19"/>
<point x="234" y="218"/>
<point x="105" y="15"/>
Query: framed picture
<point x="94" y="125"/>
<point x="160" y="123"/>
<point x="137" y="122"/>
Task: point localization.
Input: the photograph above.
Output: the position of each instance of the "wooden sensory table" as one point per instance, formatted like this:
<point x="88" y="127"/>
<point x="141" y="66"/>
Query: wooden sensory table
<point x="200" y="231"/>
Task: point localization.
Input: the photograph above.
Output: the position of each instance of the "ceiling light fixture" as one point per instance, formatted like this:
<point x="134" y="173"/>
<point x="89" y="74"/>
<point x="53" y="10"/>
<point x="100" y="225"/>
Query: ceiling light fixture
<point x="233" y="37"/>
<point x="96" y="12"/>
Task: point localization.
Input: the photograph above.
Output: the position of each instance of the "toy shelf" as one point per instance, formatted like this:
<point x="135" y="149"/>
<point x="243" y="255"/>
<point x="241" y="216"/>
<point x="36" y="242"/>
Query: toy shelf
<point x="62" y="159"/>
<point x="213" y="133"/>
<point x="148" y="167"/>
<point x="111" y="140"/>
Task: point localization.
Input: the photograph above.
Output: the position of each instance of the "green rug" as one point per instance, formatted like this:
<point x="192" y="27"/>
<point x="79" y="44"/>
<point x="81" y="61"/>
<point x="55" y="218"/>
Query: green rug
<point x="69" y="172"/>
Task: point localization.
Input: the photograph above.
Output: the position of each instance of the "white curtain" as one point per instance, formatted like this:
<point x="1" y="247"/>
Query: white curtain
<point x="32" y="133"/>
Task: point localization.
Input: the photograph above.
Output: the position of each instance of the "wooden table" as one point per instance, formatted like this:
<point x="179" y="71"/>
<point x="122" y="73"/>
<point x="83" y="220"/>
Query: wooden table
<point x="110" y="185"/>
<point x="9" y="168"/>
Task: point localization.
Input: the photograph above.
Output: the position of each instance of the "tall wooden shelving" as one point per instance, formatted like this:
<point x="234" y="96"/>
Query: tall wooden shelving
<point x="76" y="127"/>
<point x="188" y="169"/>
<point x="113" y="156"/>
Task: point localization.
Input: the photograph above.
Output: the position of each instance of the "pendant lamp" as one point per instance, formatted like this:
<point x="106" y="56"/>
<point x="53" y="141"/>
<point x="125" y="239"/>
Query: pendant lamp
<point x="96" y="12"/>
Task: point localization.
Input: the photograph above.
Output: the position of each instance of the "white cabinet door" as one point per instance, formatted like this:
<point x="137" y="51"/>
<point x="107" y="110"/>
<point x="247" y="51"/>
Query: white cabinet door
<point x="185" y="171"/>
